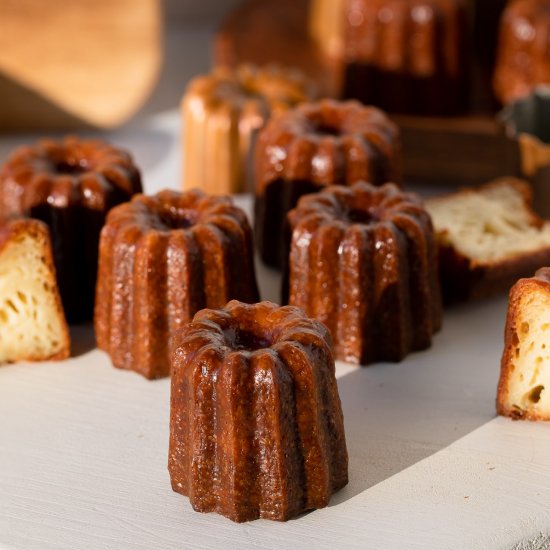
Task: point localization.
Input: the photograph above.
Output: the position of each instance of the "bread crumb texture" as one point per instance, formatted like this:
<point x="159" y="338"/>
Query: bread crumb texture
<point x="32" y="324"/>
<point x="492" y="223"/>
<point x="525" y="391"/>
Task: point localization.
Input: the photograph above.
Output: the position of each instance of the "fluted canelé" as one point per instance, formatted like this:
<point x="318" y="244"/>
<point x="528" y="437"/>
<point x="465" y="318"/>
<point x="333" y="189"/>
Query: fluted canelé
<point x="70" y="185"/>
<point x="256" y="426"/>
<point x="363" y="260"/>
<point x="163" y="258"/>
<point x="222" y="113"/>
<point x="313" y="146"/>
<point x="523" y="55"/>
<point x="401" y="55"/>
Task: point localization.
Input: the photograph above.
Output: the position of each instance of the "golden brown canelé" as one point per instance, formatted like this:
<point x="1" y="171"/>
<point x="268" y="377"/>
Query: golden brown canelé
<point x="523" y="56"/>
<point x="256" y="425"/>
<point x="161" y="259"/>
<point x="405" y="56"/>
<point x="222" y="113"/>
<point x="310" y="147"/>
<point x="363" y="260"/>
<point x="524" y="386"/>
<point x="70" y="185"/>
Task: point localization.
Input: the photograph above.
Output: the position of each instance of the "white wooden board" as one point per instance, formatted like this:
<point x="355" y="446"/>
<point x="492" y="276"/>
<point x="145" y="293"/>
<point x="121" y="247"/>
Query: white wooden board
<point x="83" y="446"/>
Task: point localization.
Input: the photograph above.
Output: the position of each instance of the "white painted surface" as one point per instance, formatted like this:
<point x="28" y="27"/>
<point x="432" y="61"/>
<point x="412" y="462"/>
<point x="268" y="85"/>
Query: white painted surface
<point x="83" y="446"/>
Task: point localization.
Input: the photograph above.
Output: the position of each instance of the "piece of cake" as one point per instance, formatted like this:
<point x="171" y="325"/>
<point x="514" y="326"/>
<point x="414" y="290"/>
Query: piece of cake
<point x="311" y="147"/>
<point x="488" y="238"/>
<point x="222" y="113"/>
<point x="162" y="258"/>
<point x="256" y="425"/>
<point x="70" y="185"/>
<point x="32" y="322"/>
<point x="523" y="56"/>
<point x="402" y="55"/>
<point x="524" y="387"/>
<point x="363" y="260"/>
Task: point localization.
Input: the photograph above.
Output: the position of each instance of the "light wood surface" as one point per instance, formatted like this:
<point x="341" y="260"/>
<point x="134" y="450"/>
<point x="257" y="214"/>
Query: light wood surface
<point x="70" y="63"/>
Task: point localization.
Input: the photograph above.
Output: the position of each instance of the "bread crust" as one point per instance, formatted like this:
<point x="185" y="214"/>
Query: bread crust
<point x="10" y="232"/>
<point x="523" y="287"/>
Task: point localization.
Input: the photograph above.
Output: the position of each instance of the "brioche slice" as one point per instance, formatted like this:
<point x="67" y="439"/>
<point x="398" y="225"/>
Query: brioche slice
<point x="488" y="238"/>
<point x="32" y="321"/>
<point x="524" y="387"/>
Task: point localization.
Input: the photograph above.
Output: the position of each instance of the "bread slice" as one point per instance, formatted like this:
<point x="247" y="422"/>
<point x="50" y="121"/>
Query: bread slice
<point x="32" y="321"/>
<point x="488" y="238"/>
<point x="524" y="387"/>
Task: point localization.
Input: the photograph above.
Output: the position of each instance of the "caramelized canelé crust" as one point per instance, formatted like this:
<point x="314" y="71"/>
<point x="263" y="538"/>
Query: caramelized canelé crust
<point x="256" y="426"/>
<point x="70" y="185"/>
<point x="363" y="260"/>
<point x="310" y="147"/>
<point x="523" y="59"/>
<point x="402" y="55"/>
<point x="162" y="258"/>
<point x="222" y="112"/>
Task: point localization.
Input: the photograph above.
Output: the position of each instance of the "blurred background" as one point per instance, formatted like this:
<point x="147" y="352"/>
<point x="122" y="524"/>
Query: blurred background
<point x="187" y="24"/>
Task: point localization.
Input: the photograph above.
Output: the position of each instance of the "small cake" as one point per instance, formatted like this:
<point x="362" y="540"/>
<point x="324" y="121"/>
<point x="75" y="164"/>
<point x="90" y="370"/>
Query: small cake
<point x="256" y="425"/>
<point x="524" y="387"/>
<point x="488" y="238"/>
<point x="523" y="56"/>
<point x="402" y="55"/>
<point x="70" y="185"/>
<point x="32" y="322"/>
<point x="310" y="147"/>
<point x="363" y="260"/>
<point x="161" y="259"/>
<point x="222" y="113"/>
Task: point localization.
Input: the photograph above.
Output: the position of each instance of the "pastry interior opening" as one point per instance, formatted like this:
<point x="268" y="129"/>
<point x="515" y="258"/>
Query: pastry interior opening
<point x="244" y="339"/>
<point x="67" y="165"/>
<point x="325" y="129"/>
<point x="359" y="215"/>
<point x="70" y="168"/>
<point x="174" y="218"/>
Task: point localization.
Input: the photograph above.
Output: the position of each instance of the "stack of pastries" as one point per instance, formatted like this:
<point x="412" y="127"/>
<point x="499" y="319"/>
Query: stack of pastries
<point x="256" y="424"/>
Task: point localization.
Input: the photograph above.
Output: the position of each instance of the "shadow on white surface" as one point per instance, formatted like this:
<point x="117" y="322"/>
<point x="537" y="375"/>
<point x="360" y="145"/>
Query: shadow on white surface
<point x="398" y="414"/>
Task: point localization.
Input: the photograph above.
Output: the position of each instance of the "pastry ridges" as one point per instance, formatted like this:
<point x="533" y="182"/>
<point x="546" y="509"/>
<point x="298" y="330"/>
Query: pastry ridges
<point x="256" y="421"/>
<point x="363" y="260"/>
<point x="69" y="184"/>
<point x="222" y="113"/>
<point x="313" y="146"/>
<point x="162" y="258"/>
<point x="523" y="59"/>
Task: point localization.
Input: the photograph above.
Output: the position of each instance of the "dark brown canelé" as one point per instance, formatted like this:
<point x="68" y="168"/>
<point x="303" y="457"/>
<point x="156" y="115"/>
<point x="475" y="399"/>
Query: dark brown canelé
<point x="523" y="59"/>
<point x="406" y="56"/>
<point x="363" y="260"/>
<point x="310" y="147"/>
<point x="161" y="259"/>
<point x="256" y="425"/>
<point x="70" y="185"/>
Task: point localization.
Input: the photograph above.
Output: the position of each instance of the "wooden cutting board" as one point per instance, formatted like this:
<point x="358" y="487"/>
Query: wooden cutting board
<point x="71" y="63"/>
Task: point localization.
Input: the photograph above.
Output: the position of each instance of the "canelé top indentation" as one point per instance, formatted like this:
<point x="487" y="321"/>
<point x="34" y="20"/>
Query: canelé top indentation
<point x="251" y="328"/>
<point x="241" y="339"/>
<point x="360" y="203"/>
